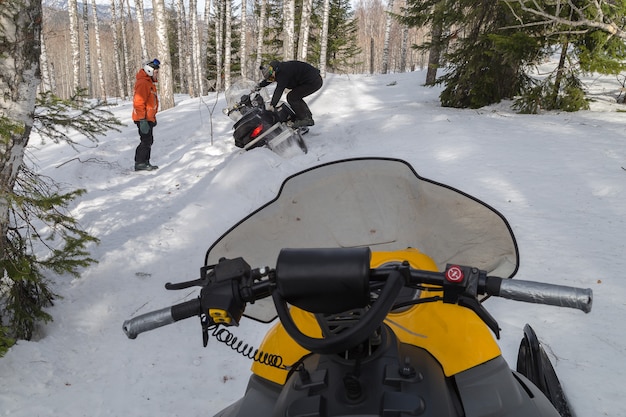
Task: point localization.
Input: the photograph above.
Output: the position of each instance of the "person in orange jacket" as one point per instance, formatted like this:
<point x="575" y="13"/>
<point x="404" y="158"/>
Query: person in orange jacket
<point x="145" y="107"/>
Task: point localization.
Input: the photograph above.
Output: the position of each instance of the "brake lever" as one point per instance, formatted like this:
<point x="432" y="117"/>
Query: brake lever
<point x="474" y="305"/>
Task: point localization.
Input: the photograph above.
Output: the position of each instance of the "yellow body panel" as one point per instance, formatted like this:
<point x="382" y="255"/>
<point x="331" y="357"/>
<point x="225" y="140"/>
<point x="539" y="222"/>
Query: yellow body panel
<point x="454" y="335"/>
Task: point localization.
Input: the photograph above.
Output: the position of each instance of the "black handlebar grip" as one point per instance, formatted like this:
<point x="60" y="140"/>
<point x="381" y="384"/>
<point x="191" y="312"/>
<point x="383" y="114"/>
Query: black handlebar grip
<point x="550" y="294"/>
<point x="155" y="319"/>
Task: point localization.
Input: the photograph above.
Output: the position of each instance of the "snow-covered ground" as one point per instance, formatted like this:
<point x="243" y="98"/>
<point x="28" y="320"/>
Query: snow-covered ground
<point x="559" y="179"/>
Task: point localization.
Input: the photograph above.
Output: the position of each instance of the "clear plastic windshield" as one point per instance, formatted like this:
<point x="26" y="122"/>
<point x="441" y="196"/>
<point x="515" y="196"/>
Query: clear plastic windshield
<point x="376" y="202"/>
<point x="240" y="92"/>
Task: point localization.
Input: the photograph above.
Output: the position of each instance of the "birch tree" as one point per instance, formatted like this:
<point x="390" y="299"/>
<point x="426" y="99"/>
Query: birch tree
<point x="219" y="24"/>
<point x="227" y="42"/>
<point x="387" y="36"/>
<point x="142" y="30"/>
<point x="180" y="42"/>
<point x="72" y="7"/>
<point x="46" y="75"/>
<point x="305" y="25"/>
<point x="243" y="34"/>
<point x="324" y="45"/>
<point x="289" y="24"/>
<point x="195" y="47"/>
<point x="166" y="91"/>
<point x="259" y="39"/>
<point x="86" y="49"/>
<point x="121" y="83"/>
<point x="96" y="32"/>
<point x="125" y="49"/>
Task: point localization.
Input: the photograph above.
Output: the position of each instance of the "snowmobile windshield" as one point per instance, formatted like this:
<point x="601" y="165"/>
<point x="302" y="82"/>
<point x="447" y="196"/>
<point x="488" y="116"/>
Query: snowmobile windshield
<point x="242" y="92"/>
<point x="376" y="202"/>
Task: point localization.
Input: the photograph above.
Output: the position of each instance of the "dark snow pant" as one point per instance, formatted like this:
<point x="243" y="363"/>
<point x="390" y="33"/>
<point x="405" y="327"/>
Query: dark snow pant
<point x="294" y="98"/>
<point x="142" y="153"/>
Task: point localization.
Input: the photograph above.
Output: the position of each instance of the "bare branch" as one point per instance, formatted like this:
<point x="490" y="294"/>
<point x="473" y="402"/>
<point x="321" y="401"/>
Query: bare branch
<point x="601" y="21"/>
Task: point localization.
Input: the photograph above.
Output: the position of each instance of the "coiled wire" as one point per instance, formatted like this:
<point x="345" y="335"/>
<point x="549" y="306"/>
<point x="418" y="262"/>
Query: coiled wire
<point x="225" y="336"/>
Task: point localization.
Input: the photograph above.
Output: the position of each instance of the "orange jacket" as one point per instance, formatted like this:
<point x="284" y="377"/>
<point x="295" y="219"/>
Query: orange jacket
<point x="145" y="100"/>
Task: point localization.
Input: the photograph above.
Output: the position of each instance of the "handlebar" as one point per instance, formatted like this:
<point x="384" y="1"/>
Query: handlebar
<point x="541" y="293"/>
<point x="155" y="319"/>
<point x="340" y="279"/>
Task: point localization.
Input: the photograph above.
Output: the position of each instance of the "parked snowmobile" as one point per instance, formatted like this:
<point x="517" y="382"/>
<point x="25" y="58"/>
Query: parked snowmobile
<point x="256" y="126"/>
<point x="378" y="277"/>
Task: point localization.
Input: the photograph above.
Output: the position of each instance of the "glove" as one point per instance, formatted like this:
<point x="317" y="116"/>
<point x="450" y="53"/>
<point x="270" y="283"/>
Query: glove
<point x="256" y="88"/>
<point x="144" y="126"/>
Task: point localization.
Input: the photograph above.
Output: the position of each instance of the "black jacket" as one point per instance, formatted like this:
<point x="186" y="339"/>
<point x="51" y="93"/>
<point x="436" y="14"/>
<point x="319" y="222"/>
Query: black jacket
<point x="291" y="74"/>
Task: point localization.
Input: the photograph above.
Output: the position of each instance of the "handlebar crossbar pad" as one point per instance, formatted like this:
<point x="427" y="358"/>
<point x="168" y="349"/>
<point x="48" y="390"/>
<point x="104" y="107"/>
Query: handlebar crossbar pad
<point x="324" y="281"/>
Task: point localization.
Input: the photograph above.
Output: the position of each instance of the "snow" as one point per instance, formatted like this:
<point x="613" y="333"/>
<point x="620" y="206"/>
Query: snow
<point x="558" y="178"/>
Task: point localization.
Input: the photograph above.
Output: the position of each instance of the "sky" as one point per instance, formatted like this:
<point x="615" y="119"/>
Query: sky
<point x="559" y="178"/>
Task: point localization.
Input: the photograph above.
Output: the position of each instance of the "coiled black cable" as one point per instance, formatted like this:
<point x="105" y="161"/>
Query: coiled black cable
<point x="225" y="336"/>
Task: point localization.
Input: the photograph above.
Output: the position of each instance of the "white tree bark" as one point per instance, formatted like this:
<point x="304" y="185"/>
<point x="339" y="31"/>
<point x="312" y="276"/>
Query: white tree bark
<point x="324" y="46"/>
<point x="99" y="69"/>
<point x="387" y="36"/>
<point x="121" y="83"/>
<point x="87" y="50"/>
<point x="166" y="90"/>
<point x="259" y="39"/>
<point x="46" y="79"/>
<point x="145" y="56"/>
<point x="243" y="55"/>
<point x="219" y="24"/>
<point x="227" y="43"/>
<point x="126" y="50"/>
<point x="305" y="26"/>
<point x="72" y="6"/>
<point x="20" y="27"/>
<point x="289" y="24"/>
<point x="195" y="44"/>
<point x="180" y="43"/>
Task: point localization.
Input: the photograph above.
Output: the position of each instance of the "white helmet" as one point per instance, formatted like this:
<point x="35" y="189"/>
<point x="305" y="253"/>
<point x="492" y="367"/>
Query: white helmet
<point x="150" y="66"/>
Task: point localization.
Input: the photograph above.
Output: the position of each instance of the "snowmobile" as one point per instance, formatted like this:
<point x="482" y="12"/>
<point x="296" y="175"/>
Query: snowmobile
<point x="379" y="278"/>
<point x="256" y="125"/>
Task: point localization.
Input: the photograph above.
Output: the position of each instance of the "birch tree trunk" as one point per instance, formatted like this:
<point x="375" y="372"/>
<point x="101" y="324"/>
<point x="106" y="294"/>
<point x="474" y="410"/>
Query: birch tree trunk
<point x="387" y="35"/>
<point x="121" y="83"/>
<point x="126" y="51"/>
<point x="96" y="32"/>
<point x="87" y="51"/>
<point x="205" y="41"/>
<point x="242" y="41"/>
<point x="166" y="92"/>
<point x="289" y="19"/>
<point x="324" y="45"/>
<point x="195" y="46"/>
<point x="180" y="41"/>
<point x="46" y="79"/>
<point x="305" y="26"/>
<point x="72" y="7"/>
<point x="259" y="39"/>
<point x="219" y="24"/>
<point x="145" y="57"/>
<point x="20" y="35"/>
<point x="228" y="18"/>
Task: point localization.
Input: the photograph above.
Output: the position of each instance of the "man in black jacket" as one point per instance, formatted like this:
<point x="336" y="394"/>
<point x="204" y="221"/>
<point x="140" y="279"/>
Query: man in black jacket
<point x="301" y="78"/>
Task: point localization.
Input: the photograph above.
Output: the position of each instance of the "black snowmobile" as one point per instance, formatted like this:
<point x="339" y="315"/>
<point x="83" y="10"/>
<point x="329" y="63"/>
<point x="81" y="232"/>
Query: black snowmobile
<point x="378" y="277"/>
<point x="257" y="126"/>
